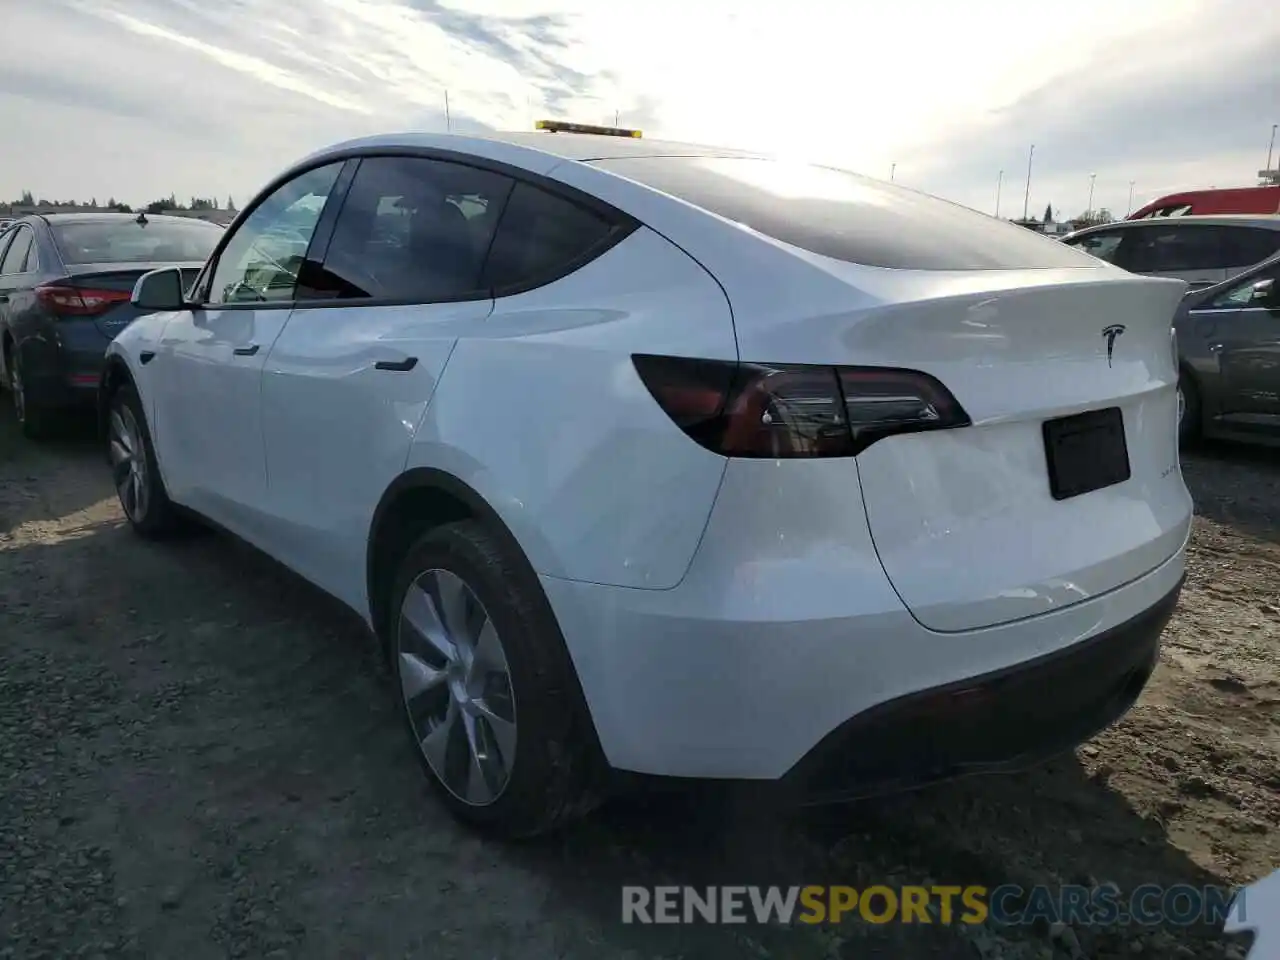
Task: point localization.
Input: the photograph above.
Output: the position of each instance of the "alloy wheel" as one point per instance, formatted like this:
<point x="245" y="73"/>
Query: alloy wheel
<point x="456" y="687"/>
<point x="129" y="463"/>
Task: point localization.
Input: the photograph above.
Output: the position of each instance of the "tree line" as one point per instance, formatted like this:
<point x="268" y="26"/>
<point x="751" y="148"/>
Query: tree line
<point x="1087" y="219"/>
<point x="28" y="199"/>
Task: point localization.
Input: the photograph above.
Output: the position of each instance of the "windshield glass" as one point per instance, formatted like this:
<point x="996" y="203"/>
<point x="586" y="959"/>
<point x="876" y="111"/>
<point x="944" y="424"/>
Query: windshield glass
<point x="127" y="241"/>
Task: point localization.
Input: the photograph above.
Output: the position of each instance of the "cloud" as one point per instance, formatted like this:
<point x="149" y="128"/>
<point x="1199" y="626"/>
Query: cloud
<point x="254" y="67"/>
<point x="146" y="97"/>
<point x="1164" y="113"/>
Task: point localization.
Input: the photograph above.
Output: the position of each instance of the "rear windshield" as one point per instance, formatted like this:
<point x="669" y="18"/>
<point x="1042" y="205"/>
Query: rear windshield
<point x="127" y="241"/>
<point x="846" y="216"/>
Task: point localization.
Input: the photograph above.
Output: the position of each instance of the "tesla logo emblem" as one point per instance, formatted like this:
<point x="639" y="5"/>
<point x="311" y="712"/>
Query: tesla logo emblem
<point x="1110" y="334"/>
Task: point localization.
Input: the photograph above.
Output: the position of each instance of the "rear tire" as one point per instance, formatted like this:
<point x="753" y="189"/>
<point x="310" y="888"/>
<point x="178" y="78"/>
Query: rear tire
<point x="514" y="726"/>
<point x="34" y="420"/>
<point x="134" y="472"/>
<point x="1188" y="410"/>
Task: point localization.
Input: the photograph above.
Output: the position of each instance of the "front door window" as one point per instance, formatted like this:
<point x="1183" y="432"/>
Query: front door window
<point x="260" y="263"/>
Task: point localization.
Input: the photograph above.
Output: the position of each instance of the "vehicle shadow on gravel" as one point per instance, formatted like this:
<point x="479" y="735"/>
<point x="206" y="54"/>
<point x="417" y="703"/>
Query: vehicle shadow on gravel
<point x="31" y="468"/>
<point x="229" y="764"/>
<point x="1057" y="824"/>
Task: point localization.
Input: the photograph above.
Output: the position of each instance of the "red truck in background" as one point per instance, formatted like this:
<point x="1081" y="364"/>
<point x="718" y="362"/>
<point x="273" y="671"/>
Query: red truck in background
<point x="1254" y="200"/>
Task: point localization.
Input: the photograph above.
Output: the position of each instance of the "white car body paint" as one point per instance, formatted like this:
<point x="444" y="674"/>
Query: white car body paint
<point x="320" y="381"/>
<point x="703" y="598"/>
<point x="1257" y="910"/>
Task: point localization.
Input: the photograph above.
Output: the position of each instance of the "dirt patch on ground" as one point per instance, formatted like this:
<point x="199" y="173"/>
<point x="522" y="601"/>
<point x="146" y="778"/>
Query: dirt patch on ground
<point x="198" y="758"/>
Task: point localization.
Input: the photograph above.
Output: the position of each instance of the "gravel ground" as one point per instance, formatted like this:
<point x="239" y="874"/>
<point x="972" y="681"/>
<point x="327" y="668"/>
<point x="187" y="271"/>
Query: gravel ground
<point x="199" y="758"/>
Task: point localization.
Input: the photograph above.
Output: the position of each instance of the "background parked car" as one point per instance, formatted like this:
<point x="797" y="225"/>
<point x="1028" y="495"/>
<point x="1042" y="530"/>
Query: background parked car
<point x="1201" y="250"/>
<point x="1229" y="340"/>
<point x="65" y="281"/>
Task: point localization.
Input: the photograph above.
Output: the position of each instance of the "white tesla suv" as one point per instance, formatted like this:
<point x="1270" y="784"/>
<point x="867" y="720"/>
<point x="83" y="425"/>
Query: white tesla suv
<point x="647" y="457"/>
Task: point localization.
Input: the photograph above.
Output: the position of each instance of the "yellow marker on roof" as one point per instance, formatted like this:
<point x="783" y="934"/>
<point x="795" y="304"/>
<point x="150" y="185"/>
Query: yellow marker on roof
<point x="560" y="126"/>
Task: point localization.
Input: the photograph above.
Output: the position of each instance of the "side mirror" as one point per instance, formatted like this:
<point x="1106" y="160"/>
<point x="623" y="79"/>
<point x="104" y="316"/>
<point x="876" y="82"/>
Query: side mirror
<point x="159" y="290"/>
<point x="1264" y="293"/>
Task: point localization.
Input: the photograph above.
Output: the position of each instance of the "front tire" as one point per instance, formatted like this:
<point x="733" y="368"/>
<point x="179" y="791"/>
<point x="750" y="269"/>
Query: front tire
<point x="134" y="471"/>
<point x="485" y="681"/>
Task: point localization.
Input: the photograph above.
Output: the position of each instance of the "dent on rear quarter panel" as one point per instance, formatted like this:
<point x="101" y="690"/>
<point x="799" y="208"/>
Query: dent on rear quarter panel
<point x="541" y="413"/>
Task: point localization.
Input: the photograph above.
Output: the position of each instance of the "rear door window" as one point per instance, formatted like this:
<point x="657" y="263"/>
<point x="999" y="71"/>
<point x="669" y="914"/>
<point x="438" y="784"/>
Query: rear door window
<point x="410" y="229"/>
<point x="848" y="217"/>
<point x="542" y="236"/>
<point x="15" y="258"/>
<point x="1246" y="246"/>
<point x="1176" y="248"/>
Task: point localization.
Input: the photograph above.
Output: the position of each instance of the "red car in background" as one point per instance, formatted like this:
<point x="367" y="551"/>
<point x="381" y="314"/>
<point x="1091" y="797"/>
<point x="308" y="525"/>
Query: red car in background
<point x="1254" y="200"/>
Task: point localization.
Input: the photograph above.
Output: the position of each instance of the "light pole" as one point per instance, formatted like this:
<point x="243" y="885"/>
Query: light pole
<point x="1089" y="210"/>
<point x="1271" y="145"/>
<point x="999" y="184"/>
<point x="1026" y="197"/>
<point x="1130" y="210"/>
<point x="893" y="169"/>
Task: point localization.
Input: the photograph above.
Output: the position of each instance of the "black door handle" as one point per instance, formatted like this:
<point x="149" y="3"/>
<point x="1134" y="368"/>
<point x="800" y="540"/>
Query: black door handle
<point x="248" y="351"/>
<point x="408" y="363"/>
<point x="146" y="356"/>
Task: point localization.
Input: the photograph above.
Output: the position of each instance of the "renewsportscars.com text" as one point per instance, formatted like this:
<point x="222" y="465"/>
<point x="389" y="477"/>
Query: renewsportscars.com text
<point x="1008" y="904"/>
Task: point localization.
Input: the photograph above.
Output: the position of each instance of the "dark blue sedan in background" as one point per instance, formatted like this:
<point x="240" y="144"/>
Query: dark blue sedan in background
<point x="65" y="282"/>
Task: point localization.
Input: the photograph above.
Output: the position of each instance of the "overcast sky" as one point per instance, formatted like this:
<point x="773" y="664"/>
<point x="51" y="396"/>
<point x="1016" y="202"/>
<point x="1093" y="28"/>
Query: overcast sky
<point x="140" y="98"/>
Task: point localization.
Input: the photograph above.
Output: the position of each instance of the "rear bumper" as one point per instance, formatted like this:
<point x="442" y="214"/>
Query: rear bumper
<point x="755" y="678"/>
<point x="63" y="370"/>
<point x="1004" y="720"/>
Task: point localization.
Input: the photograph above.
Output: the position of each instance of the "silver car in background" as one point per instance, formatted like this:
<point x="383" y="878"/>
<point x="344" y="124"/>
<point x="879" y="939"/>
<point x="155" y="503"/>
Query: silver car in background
<point x="1200" y="250"/>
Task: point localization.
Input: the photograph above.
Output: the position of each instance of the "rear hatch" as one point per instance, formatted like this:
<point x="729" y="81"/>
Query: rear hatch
<point x="967" y="522"/>
<point x="973" y="525"/>
<point x="106" y="287"/>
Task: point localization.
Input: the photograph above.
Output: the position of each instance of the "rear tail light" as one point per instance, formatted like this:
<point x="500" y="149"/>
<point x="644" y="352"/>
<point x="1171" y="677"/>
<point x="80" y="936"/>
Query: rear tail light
<point x="77" y="301"/>
<point x="788" y="411"/>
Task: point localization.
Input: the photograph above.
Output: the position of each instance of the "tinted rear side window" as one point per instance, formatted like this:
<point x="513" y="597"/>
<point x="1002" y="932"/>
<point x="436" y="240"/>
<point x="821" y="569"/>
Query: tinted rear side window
<point x="127" y="241"/>
<point x="1249" y="245"/>
<point x="846" y="216"/>
<point x="541" y="236"/>
<point x="1175" y="248"/>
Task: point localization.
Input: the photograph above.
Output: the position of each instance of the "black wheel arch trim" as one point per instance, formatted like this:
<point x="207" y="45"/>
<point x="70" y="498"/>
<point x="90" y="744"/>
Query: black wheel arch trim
<point x="113" y="366"/>
<point x="431" y="478"/>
